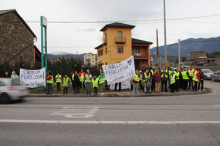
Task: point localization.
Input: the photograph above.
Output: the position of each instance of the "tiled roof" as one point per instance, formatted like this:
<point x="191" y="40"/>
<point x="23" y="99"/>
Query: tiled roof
<point x="137" y="41"/>
<point x="118" y="25"/>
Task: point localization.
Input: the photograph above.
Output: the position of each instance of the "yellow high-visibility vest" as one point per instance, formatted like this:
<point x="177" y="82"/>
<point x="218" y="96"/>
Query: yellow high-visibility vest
<point x="51" y="80"/>
<point x="58" y="78"/>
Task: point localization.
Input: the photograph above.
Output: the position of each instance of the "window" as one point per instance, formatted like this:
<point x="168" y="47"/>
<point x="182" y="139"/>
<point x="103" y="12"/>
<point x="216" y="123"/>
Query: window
<point x="120" y="49"/>
<point x="100" y="52"/>
<point x="2" y="84"/>
<point x="119" y="36"/>
<point x="136" y="50"/>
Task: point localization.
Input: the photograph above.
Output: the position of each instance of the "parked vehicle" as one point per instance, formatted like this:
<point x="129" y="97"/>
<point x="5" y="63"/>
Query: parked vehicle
<point x="216" y="76"/>
<point x="208" y="73"/>
<point x="11" y="90"/>
<point x="187" y="67"/>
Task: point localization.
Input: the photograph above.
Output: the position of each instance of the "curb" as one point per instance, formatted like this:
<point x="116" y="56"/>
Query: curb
<point x="128" y="94"/>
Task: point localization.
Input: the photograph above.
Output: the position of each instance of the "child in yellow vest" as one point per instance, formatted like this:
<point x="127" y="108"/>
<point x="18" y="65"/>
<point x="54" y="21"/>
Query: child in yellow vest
<point x="95" y="84"/>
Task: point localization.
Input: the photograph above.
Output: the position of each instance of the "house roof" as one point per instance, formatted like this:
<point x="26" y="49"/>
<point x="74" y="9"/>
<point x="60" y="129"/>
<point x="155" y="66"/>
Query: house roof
<point x="2" y="12"/>
<point x="99" y="46"/>
<point x="137" y="41"/>
<point x="117" y="25"/>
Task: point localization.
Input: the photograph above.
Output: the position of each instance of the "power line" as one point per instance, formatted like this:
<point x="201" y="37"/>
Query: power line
<point x="141" y="20"/>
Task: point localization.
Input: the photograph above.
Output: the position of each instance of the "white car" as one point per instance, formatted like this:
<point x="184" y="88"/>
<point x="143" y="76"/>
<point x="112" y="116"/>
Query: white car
<point x="216" y="76"/>
<point x="208" y="73"/>
<point x="11" y="90"/>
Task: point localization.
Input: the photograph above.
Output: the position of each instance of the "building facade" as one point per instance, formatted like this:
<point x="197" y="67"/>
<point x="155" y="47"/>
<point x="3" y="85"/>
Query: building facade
<point x="119" y="45"/>
<point x="89" y="59"/>
<point x="16" y="39"/>
<point x="197" y="54"/>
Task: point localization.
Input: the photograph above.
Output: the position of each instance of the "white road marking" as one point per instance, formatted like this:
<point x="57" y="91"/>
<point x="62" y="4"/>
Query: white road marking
<point x="76" y="111"/>
<point x="108" y="122"/>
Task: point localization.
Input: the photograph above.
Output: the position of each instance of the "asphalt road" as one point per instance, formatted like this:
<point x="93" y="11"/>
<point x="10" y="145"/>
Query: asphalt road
<point x="111" y="121"/>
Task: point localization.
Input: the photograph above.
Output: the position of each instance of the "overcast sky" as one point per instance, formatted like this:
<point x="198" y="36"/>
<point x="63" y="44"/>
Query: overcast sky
<point x="84" y="37"/>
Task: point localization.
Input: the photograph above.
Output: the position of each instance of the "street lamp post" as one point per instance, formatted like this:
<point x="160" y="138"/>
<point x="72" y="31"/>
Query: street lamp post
<point x="165" y="33"/>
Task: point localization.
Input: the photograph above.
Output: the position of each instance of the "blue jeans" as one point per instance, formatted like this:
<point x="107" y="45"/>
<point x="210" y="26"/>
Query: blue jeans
<point x="88" y="88"/>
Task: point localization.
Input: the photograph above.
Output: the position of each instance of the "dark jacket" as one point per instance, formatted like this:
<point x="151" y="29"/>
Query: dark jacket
<point x="76" y="81"/>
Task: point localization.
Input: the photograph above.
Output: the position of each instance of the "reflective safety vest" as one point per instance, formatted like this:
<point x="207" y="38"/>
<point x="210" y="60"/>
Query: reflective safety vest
<point x="14" y="76"/>
<point x="170" y="72"/>
<point x="88" y="78"/>
<point x="66" y="81"/>
<point x="82" y="77"/>
<point x="185" y="77"/>
<point x="191" y="72"/>
<point x="73" y="77"/>
<point x="95" y="82"/>
<point x="172" y="79"/>
<point x="152" y="72"/>
<point x="136" y="78"/>
<point x="162" y="74"/>
<point x="102" y="79"/>
<point x="58" y="78"/>
<point x="177" y="75"/>
<point x="195" y="77"/>
<point x="51" y="80"/>
<point x="146" y="76"/>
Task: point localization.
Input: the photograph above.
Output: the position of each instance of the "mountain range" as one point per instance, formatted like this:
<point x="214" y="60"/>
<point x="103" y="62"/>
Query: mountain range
<point x="188" y="45"/>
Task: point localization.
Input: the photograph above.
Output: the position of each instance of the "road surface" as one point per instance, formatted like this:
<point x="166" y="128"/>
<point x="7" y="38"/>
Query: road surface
<point x="112" y="121"/>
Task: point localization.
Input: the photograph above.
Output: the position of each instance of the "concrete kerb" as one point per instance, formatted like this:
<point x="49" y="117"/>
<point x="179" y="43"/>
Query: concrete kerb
<point x="127" y="94"/>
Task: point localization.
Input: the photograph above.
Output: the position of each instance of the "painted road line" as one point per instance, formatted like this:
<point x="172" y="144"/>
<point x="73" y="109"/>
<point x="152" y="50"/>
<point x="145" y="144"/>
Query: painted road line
<point x="76" y="111"/>
<point x="108" y="122"/>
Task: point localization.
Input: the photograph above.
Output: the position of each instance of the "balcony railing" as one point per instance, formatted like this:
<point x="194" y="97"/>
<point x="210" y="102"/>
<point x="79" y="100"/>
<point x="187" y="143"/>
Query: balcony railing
<point x="140" y="55"/>
<point x="120" y="40"/>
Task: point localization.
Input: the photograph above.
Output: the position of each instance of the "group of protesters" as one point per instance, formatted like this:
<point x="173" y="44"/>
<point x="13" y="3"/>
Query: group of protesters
<point x="158" y="80"/>
<point x="78" y="80"/>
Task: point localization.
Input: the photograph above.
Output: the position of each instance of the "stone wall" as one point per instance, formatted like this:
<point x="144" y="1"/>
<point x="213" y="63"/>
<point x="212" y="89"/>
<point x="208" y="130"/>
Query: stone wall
<point x="14" y="37"/>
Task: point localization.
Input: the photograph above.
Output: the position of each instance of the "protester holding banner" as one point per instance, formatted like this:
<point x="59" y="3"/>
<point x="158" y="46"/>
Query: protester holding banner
<point x="58" y="81"/>
<point x="49" y="79"/>
<point x="136" y="79"/>
<point x="66" y="82"/>
<point x="88" y="82"/>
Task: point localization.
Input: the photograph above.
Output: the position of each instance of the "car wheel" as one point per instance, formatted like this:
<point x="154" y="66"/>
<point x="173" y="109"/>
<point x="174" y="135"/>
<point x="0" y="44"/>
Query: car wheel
<point x="5" y="98"/>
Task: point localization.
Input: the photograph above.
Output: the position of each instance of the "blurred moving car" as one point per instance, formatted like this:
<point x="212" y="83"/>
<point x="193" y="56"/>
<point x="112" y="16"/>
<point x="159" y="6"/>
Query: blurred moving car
<point x="208" y="73"/>
<point x="216" y="76"/>
<point x="11" y="90"/>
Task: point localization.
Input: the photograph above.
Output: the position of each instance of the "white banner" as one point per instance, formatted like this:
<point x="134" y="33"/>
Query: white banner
<point x="32" y="78"/>
<point x="124" y="85"/>
<point x="119" y="72"/>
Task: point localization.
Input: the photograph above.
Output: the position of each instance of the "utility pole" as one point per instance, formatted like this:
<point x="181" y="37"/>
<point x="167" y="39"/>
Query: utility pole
<point x="165" y="33"/>
<point x="179" y="54"/>
<point x="157" y="43"/>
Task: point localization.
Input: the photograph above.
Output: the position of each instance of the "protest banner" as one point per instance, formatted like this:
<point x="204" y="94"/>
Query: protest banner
<point x="124" y="85"/>
<point x="32" y="78"/>
<point x="119" y="72"/>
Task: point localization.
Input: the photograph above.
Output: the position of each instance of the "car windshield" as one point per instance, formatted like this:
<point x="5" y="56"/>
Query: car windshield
<point x="207" y="71"/>
<point x="15" y="82"/>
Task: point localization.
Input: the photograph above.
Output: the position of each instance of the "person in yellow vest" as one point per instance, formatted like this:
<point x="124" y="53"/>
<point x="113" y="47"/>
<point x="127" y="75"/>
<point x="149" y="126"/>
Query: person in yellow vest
<point x="82" y="78"/>
<point x="196" y="80"/>
<point x="102" y="80"/>
<point x="164" y="78"/>
<point x="172" y="82"/>
<point x="191" y="72"/>
<point x="153" y="71"/>
<point x="66" y="83"/>
<point x="49" y="80"/>
<point x="147" y="81"/>
<point x="88" y="81"/>
<point x="58" y="78"/>
<point x="177" y="73"/>
<point x="95" y="84"/>
<point x="14" y="75"/>
<point x="136" y="79"/>
<point x="185" y="78"/>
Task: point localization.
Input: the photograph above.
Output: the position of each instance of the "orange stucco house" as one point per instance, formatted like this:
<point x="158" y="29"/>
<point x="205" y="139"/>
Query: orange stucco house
<point x="119" y="45"/>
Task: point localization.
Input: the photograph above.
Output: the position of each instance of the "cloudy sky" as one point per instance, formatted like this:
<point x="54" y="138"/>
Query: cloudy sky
<point x="185" y="19"/>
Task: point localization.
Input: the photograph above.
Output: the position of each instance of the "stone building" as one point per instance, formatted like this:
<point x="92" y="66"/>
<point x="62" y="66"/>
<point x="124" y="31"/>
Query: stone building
<point x="197" y="54"/>
<point x="16" y="39"/>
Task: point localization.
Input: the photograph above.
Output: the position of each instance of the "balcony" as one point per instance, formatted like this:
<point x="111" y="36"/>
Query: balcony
<point x="120" y="40"/>
<point x="140" y="55"/>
